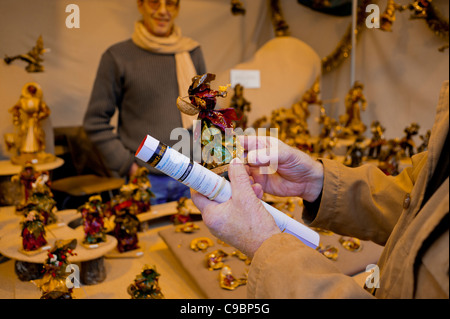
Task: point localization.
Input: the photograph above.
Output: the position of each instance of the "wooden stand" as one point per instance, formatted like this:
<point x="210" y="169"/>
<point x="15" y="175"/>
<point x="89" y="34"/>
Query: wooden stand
<point x="93" y="271"/>
<point x="26" y="271"/>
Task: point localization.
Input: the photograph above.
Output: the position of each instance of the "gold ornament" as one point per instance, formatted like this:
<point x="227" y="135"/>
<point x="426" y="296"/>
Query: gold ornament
<point x="214" y="260"/>
<point x="201" y="243"/>
<point x="351" y="243"/>
<point x="228" y="281"/>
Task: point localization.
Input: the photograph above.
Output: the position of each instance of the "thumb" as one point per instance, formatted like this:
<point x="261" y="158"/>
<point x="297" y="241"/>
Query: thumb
<point x="240" y="180"/>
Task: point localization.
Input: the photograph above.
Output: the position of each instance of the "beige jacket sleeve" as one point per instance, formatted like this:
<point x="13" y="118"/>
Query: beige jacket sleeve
<point x="285" y="268"/>
<point x="361" y="202"/>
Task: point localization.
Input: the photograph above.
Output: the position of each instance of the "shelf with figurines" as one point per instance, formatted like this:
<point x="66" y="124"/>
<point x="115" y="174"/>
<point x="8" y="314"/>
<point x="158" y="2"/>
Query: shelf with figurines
<point x="33" y="226"/>
<point x="344" y="139"/>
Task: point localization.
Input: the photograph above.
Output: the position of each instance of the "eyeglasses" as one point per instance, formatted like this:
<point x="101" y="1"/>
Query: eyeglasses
<point x="171" y="5"/>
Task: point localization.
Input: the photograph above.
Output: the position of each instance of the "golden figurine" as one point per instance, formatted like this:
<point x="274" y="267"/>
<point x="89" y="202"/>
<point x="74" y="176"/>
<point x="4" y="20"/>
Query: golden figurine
<point x="388" y="17"/>
<point x="33" y="57"/>
<point x="241" y="105"/>
<point x="377" y="141"/>
<point x="407" y="143"/>
<point x="355" y="101"/>
<point x="28" y="114"/>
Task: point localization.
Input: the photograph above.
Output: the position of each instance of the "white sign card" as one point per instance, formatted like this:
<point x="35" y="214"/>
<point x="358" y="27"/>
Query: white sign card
<point x="249" y="79"/>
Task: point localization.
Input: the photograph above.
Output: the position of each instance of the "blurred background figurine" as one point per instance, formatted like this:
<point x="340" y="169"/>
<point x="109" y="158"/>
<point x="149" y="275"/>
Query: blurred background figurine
<point x="355" y="153"/>
<point x="425" y="139"/>
<point x="237" y="7"/>
<point x="241" y="105"/>
<point x="183" y="214"/>
<point x="33" y="57"/>
<point x="355" y="101"/>
<point x="28" y="114"/>
<point x="407" y="143"/>
<point x="377" y="140"/>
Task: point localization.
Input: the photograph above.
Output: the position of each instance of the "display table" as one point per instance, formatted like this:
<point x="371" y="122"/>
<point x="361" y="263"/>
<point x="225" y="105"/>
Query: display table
<point x="11" y="193"/>
<point x="175" y="282"/>
<point x="162" y="247"/>
<point x="7" y="168"/>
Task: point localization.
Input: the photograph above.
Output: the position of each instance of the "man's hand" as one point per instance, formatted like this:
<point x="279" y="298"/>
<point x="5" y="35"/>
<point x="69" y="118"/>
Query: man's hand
<point x="297" y="174"/>
<point x="242" y="221"/>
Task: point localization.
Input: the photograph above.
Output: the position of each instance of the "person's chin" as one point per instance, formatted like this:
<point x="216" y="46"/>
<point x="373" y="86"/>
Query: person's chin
<point x="160" y="31"/>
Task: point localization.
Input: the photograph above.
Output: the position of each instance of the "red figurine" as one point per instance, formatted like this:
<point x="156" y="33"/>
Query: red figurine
<point x="33" y="232"/>
<point x="92" y="213"/>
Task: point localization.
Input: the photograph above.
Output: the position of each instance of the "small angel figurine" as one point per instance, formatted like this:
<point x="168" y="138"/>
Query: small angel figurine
<point x="218" y="143"/>
<point x="139" y="190"/>
<point x="28" y="114"/>
<point x="126" y="228"/>
<point x="183" y="214"/>
<point x="146" y="285"/>
<point x="40" y="199"/>
<point x="27" y="176"/>
<point x="54" y="283"/>
<point x="33" y="232"/>
<point x="93" y="223"/>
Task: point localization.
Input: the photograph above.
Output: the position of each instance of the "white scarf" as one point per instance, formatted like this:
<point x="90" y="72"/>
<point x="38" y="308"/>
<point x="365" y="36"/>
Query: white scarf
<point x="175" y="44"/>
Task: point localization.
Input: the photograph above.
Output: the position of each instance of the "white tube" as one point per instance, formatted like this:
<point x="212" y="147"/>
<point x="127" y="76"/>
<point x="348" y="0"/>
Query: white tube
<point x="211" y="185"/>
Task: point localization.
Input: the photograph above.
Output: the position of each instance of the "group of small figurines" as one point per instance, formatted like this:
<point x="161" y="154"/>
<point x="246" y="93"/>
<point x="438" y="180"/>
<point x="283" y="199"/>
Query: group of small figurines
<point x="38" y="209"/>
<point x="292" y="127"/>
<point x="293" y="130"/>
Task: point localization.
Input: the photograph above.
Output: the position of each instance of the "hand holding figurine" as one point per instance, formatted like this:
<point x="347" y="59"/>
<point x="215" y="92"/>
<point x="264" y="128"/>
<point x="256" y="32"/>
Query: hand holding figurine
<point x="296" y="173"/>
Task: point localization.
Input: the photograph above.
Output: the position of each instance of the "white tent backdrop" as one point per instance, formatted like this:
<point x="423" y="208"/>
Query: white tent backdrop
<point x="402" y="70"/>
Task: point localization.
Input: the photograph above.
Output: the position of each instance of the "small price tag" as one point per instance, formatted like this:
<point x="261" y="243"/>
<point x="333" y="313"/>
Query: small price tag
<point x="249" y="79"/>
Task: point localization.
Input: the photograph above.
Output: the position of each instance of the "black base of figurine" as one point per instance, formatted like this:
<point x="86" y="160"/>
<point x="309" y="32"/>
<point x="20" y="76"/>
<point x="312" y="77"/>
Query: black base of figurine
<point x="93" y="272"/>
<point x="26" y="271"/>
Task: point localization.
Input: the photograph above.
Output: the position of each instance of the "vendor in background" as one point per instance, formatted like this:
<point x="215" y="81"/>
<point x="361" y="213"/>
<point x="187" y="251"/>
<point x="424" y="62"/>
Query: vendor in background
<point x="142" y="78"/>
<point x="408" y="214"/>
